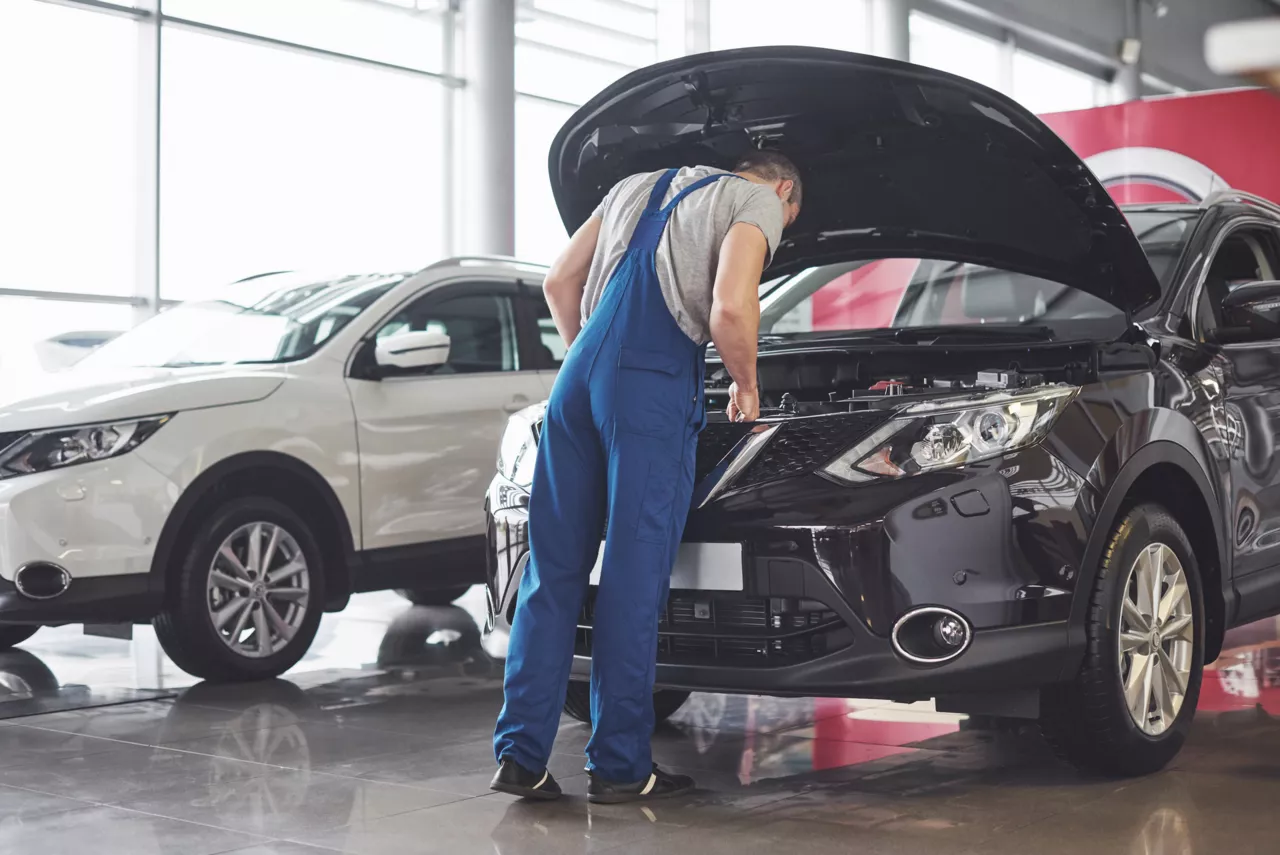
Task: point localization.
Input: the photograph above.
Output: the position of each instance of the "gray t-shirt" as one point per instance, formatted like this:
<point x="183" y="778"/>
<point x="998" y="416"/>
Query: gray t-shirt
<point x="690" y="246"/>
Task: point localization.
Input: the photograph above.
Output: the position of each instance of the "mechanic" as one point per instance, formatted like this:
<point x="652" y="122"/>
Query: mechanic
<point x="668" y="261"/>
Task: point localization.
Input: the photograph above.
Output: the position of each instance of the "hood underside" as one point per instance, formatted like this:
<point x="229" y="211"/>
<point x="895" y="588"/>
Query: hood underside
<point x="896" y="160"/>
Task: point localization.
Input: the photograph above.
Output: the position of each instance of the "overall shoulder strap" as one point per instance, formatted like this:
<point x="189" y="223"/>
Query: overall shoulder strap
<point x="653" y="222"/>
<point x="697" y="185"/>
<point x="660" y="191"/>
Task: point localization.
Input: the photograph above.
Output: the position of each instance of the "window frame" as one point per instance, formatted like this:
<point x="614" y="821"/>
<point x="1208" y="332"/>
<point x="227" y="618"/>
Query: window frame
<point x="1198" y="292"/>
<point x="363" y="366"/>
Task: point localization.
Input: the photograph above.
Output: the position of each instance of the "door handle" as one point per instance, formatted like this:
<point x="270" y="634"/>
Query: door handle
<point x="516" y="404"/>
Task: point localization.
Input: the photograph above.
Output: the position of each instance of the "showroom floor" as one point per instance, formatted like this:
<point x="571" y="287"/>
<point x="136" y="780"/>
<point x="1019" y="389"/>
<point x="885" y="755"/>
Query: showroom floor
<point x="379" y="744"/>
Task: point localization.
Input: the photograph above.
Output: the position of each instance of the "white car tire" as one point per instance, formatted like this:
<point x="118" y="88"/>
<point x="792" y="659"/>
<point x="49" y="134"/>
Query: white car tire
<point x="247" y="599"/>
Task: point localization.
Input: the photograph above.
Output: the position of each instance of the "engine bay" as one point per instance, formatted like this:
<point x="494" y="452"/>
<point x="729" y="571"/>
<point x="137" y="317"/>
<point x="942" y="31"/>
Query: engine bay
<point x="807" y="381"/>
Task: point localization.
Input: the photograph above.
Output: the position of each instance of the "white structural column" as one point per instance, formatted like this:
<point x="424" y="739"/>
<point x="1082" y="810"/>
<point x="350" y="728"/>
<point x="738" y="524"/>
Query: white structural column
<point x="891" y="28"/>
<point x="697" y="26"/>
<point x="147" y="247"/>
<point x="489" y="128"/>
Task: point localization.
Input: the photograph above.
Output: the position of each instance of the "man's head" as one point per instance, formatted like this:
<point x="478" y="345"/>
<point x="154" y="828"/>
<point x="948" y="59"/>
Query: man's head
<point x="777" y="171"/>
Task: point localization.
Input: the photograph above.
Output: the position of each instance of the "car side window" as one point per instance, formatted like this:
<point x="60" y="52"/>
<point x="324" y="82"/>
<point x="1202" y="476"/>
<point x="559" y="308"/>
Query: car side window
<point x="1247" y="255"/>
<point x="549" y="339"/>
<point x="481" y="329"/>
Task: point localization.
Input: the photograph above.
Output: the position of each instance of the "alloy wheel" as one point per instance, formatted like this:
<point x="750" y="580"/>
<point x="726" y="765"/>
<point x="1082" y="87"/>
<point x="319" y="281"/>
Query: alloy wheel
<point x="1157" y="639"/>
<point x="259" y="588"/>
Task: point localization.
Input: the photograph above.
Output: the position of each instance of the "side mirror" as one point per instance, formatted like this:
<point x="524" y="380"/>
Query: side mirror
<point x="410" y="350"/>
<point x="1252" y="311"/>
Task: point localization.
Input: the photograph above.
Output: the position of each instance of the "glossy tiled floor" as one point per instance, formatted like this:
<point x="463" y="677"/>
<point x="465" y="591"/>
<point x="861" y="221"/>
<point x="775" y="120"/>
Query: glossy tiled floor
<point x="379" y="744"/>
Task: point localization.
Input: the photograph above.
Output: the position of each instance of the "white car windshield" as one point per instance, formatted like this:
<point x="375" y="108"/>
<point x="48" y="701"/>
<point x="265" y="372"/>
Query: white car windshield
<point x="259" y="321"/>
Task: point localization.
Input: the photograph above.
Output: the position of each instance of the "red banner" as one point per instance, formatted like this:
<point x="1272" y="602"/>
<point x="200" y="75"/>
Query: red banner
<point x="1180" y="149"/>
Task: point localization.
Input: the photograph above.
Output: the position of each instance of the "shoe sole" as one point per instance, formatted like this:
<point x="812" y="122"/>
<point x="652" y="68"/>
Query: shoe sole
<point x="628" y="798"/>
<point x="525" y="792"/>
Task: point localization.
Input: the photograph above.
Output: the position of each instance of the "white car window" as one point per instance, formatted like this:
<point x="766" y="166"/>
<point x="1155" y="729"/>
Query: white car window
<point x="481" y="330"/>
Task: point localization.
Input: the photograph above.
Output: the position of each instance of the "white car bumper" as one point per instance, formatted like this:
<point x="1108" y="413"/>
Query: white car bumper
<point x="93" y="520"/>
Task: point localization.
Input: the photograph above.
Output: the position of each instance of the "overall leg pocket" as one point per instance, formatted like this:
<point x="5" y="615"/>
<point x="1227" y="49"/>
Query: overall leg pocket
<point x="652" y="395"/>
<point x="657" y="500"/>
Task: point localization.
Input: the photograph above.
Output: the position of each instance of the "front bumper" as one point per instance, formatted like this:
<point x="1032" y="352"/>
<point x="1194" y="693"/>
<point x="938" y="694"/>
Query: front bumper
<point x="828" y="569"/>
<point x="98" y="521"/>
<point x="96" y="599"/>
<point x="998" y="660"/>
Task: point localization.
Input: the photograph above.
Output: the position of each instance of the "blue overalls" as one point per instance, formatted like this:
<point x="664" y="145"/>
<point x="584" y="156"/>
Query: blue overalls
<point x="620" y="435"/>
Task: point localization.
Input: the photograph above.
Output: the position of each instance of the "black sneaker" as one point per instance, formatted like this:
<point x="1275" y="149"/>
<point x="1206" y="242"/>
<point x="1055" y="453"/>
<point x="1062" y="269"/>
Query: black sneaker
<point x="518" y="781"/>
<point x="659" y="785"/>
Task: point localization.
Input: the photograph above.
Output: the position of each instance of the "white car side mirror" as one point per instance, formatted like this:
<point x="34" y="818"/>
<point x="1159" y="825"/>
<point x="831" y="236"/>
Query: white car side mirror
<point x="413" y="350"/>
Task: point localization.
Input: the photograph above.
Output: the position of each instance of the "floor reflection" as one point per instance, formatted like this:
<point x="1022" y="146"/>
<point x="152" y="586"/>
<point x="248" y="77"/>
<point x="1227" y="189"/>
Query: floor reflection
<point x="380" y="743"/>
<point x="1247" y="674"/>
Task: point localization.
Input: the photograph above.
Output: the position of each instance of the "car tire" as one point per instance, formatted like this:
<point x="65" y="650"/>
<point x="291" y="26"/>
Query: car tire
<point x="24" y="675"/>
<point x="14" y="634"/>
<point x="438" y="597"/>
<point x="1092" y="722"/>
<point x="577" y="702"/>
<point x="287" y="600"/>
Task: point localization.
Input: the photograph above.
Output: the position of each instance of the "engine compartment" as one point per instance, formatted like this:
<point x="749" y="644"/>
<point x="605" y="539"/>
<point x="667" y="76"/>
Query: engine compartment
<point x="804" y="380"/>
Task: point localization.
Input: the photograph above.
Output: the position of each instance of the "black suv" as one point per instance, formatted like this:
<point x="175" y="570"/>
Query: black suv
<point x="1043" y="487"/>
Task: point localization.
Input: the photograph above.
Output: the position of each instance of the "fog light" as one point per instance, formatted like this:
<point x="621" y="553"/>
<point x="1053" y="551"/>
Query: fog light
<point x="949" y="631"/>
<point x="931" y="635"/>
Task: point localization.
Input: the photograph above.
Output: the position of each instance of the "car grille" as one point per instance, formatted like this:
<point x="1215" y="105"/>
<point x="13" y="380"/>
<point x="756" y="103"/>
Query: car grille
<point x="729" y="628"/>
<point x="802" y="445"/>
<point x="715" y="441"/>
<point x="797" y="448"/>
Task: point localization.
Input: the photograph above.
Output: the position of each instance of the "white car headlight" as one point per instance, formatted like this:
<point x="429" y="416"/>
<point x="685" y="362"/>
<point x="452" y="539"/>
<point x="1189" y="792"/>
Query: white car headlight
<point x="519" y="449"/>
<point x="40" y="451"/>
<point x="952" y="432"/>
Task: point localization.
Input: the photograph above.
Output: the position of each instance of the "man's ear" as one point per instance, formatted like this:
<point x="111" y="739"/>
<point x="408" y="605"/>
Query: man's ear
<point x="785" y="188"/>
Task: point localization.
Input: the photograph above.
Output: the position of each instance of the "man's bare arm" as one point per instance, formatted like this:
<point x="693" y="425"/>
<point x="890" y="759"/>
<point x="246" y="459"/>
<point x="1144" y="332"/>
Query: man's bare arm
<point x="735" y="313"/>
<point x="567" y="279"/>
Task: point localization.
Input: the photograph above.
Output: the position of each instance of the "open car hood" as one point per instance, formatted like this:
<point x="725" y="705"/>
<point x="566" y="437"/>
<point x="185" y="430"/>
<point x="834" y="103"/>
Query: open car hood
<point x="897" y="160"/>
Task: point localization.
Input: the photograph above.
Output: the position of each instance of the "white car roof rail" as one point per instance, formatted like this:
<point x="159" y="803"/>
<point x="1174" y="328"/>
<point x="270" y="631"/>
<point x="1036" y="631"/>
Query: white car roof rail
<point x="500" y="260"/>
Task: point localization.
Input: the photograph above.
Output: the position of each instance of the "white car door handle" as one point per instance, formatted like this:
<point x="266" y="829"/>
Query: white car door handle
<point x="516" y="404"/>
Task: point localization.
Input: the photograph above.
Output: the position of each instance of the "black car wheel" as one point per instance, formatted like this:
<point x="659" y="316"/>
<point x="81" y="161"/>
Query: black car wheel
<point x="248" y="596"/>
<point x="438" y="597"/>
<point x="13" y="635"/>
<point x="1129" y="709"/>
<point x="577" y="702"/>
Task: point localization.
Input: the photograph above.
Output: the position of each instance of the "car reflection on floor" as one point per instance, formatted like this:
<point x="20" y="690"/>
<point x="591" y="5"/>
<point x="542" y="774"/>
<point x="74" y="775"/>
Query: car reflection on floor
<point x="394" y="750"/>
<point x="1247" y="674"/>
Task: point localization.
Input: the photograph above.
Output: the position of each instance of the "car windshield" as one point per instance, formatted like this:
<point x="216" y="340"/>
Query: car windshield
<point x="904" y="293"/>
<point x="259" y="321"/>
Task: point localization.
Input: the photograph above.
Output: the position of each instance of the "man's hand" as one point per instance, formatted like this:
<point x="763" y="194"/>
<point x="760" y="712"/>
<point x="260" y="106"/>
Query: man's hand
<point x="744" y="405"/>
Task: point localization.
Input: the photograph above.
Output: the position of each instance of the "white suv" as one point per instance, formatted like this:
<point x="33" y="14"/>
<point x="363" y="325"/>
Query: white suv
<point x="233" y="468"/>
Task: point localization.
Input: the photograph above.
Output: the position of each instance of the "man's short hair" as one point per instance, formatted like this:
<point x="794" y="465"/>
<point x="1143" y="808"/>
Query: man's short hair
<point x="772" y="166"/>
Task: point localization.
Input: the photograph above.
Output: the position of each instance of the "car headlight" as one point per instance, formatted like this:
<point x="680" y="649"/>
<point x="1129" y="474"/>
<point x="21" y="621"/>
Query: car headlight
<point x="519" y="447"/>
<point x="942" y="434"/>
<point x="40" y="451"/>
